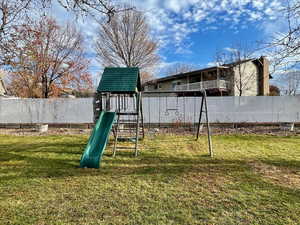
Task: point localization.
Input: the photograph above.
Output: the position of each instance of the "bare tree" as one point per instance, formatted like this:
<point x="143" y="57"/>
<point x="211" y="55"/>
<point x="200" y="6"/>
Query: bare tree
<point x="146" y="76"/>
<point x="126" y="41"/>
<point x="177" y="68"/>
<point x="285" y="47"/>
<point x="274" y="91"/>
<point x="49" y="59"/>
<point x="11" y="13"/>
<point x="237" y="56"/>
<point x="94" y="8"/>
<point x="289" y="83"/>
<point x="14" y="12"/>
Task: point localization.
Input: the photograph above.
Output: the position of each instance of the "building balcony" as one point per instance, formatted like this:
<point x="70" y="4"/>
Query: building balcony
<point x="210" y="84"/>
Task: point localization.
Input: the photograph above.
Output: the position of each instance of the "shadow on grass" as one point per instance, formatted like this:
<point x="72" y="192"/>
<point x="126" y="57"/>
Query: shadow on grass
<point x="43" y="159"/>
<point x="38" y="160"/>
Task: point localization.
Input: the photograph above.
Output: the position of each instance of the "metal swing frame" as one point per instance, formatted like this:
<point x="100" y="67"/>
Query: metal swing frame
<point x="203" y="109"/>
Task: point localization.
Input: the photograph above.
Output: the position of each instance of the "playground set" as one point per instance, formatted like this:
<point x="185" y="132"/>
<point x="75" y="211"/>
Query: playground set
<point x="118" y="109"/>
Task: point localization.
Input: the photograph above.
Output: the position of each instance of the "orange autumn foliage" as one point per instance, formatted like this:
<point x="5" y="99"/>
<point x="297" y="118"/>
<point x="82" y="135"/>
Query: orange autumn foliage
<point x="49" y="58"/>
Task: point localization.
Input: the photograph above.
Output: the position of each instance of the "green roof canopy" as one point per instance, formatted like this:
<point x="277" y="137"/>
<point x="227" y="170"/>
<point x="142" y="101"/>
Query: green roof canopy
<point x="120" y="80"/>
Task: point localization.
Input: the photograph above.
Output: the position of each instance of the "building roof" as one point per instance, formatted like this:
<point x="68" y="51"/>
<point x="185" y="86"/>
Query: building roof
<point x="120" y="80"/>
<point x="239" y="62"/>
<point x="196" y="72"/>
<point x="181" y="75"/>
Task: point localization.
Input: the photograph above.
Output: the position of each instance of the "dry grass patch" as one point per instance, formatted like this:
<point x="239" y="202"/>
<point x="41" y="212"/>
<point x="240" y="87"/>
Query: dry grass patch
<point x="286" y="177"/>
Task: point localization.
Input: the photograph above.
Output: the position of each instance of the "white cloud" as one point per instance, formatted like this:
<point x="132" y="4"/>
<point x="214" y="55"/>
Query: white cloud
<point x="259" y="4"/>
<point x="211" y="64"/>
<point x="255" y="16"/>
<point x="184" y="48"/>
<point x="269" y="11"/>
<point x="175" y="20"/>
<point x="274" y="28"/>
<point x="230" y="49"/>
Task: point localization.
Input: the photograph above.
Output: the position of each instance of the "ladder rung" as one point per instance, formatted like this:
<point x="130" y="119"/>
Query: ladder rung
<point x="126" y="128"/>
<point x="128" y="120"/>
<point x="120" y="147"/>
<point x="129" y="136"/>
<point x="126" y="131"/>
<point x="128" y="113"/>
<point x="128" y="123"/>
<point x="126" y="137"/>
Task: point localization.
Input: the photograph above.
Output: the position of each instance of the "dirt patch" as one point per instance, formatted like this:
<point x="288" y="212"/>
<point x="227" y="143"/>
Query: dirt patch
<point x="51" y="131"/>
<point x="274" y="130"/>
<point x="281" y="176"/>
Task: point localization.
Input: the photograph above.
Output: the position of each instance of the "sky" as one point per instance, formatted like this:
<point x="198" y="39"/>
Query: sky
<point x="192" y="31"/>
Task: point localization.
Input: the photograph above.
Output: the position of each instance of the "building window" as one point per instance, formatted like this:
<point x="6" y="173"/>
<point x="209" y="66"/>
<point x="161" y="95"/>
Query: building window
<point x="222" y="75"/>
<point x="157" y="86"/>
<point x="195" y="79"/>
<point x="175" y="83"/>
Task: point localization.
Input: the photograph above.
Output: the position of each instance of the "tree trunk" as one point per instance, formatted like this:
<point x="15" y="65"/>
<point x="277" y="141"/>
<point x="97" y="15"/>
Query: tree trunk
<point x="43" y="128"/>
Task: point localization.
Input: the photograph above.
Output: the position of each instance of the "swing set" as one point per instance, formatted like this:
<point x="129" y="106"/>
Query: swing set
<point x="118" y="108"/>
<point x="129" y="125"/>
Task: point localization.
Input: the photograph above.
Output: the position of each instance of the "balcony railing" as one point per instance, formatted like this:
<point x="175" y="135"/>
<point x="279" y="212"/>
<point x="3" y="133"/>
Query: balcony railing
<point x="210" y="84"/>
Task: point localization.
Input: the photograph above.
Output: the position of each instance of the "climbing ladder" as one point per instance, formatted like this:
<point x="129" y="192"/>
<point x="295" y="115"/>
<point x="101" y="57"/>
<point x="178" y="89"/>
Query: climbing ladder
<point x="129" y="125"/>
<point x="128" y="128"/>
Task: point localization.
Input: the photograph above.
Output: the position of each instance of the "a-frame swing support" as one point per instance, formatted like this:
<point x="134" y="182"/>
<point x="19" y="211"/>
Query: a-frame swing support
<point x="205" y="111"/>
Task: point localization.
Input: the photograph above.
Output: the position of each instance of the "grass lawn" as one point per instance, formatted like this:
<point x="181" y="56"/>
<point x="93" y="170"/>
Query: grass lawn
<point x="251" y="180"/>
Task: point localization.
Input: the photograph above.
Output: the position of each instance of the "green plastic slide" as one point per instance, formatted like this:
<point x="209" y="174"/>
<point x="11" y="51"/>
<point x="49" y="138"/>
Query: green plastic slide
<point x="98" y="140"/>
